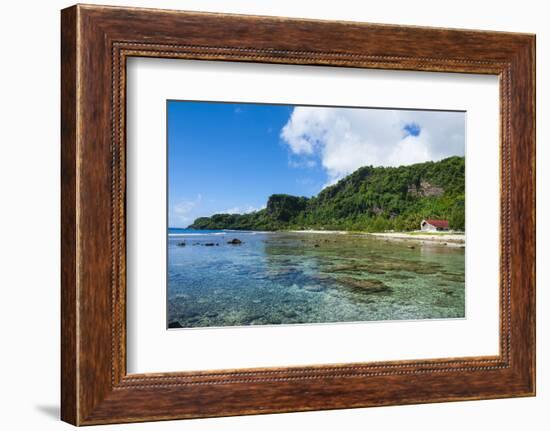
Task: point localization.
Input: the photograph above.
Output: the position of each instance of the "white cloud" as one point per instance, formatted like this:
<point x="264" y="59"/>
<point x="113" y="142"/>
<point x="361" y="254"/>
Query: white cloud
<point x="241" y="210"/>
<point x="345" y="139"/>
<point x="181" y="212"/>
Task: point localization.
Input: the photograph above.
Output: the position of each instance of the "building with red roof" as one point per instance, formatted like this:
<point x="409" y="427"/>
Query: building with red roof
<point x="432" y="225"/>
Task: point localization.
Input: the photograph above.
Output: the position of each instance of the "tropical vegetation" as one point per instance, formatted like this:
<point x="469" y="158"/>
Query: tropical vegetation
<point x="372" y="199"/>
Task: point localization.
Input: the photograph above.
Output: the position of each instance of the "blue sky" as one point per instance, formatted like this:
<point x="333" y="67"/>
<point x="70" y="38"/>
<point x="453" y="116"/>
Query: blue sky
<point x="224" y="156"/>
<point x="229" y="157"/>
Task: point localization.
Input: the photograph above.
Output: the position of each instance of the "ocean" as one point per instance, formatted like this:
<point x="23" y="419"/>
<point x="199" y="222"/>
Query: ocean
<point x="285" y="278"/>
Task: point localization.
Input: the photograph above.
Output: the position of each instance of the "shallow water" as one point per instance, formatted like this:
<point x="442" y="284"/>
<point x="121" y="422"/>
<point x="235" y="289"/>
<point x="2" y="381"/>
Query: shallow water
<point x="291" y="278"/>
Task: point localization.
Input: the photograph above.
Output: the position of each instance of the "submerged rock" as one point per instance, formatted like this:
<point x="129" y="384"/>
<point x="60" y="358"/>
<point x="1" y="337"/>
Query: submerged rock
<point x="290" y="314"/>
<point x="424" y="271"/>
<point x="369" y="286"/>
<point x="235" y="241"/>
<point x="174" y="324"/>
<point x="254" y="319"/>
<point x="209" y="244"/>
<point x="401" y="276"/>
<point x="182" y="244"/>
<point x="382" y="265"/>
<point x="344" y="268"/>
<point x="356" y="268"/>
<point x="377" y="271"/>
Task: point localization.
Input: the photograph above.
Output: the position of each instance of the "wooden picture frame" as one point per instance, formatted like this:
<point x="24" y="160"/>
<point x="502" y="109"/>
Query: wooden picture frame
<point x="95" y="43"/>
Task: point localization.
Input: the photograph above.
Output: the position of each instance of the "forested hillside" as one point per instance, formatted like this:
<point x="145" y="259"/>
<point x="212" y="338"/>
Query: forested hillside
<point x="370" y="199"/>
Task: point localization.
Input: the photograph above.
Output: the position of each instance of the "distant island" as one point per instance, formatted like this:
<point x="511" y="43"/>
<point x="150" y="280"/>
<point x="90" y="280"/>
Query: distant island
<point x="371" y="199"/>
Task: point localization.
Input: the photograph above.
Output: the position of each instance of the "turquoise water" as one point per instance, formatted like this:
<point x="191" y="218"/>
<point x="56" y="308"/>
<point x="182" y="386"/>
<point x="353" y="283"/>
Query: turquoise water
<point x="293" y="278"/>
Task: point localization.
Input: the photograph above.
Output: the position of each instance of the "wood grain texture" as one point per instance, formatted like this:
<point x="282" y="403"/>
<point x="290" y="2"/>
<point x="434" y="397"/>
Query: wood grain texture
<point x="96" y="41"/>
<point x="69" y="366"/>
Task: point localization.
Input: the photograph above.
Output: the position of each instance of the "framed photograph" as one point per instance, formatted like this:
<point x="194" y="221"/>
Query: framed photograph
<point x="265" y="215"/>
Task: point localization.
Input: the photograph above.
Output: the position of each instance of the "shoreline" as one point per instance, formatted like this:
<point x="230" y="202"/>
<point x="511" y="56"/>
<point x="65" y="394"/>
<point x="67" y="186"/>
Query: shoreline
<point x="313" y="231"/>
<point x="434" y="238"/>
<point x="450" y="239"/>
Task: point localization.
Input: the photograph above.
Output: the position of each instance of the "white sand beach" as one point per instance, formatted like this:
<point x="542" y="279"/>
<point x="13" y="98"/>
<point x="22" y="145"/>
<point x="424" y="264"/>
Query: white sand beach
<point x="441" y="238"/>
<point x="332" y="232"/>
<point x="451" y="239"/>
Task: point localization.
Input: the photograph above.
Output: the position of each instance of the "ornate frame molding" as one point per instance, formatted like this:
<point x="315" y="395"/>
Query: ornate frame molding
<point x="96" y="41"/>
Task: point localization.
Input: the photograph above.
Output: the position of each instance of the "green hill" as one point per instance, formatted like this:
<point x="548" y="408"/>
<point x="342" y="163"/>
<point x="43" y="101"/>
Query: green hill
<point x="370" y="199"/>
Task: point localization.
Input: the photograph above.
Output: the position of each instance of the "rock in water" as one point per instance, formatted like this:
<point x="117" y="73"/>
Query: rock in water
<point x="369" y="286"/>
<point x="235" y="241"/>
<point x="181" y="244"/>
